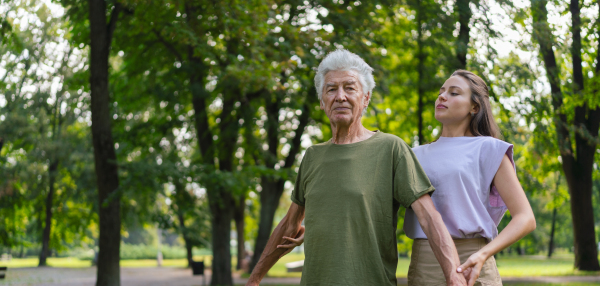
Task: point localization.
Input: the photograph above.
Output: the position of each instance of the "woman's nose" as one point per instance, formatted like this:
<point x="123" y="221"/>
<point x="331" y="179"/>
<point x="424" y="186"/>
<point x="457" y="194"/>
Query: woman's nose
<point x="442" y="96"/>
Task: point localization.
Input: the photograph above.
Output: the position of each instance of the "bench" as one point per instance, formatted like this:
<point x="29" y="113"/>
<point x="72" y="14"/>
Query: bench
<point x="198" y="269"/>
<point x="3" y="272"/>
<point x="295" y="266"/>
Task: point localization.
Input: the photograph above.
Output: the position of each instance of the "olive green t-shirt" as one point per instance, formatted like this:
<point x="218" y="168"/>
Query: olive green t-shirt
<point x="352" y="193"/>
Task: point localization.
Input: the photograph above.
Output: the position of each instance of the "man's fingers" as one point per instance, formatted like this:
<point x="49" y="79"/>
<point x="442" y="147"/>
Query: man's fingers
<point x="295" y="241"/>
<point x="288" y="246"/>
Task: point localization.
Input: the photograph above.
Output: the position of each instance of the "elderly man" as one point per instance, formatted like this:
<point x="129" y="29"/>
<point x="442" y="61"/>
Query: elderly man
<point x="350" y="189"/>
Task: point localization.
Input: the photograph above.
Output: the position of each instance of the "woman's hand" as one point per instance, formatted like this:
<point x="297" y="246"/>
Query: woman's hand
<point x="472" y="267"/>
<point x="291" y="243"/>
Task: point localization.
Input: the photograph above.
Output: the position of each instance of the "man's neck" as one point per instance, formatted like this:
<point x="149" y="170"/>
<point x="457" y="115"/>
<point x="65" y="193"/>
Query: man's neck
<point x="349" y="134"/>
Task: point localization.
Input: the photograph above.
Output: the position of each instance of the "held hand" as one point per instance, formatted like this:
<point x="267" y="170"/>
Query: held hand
<point x="291" y="243"/>
<point x="457" y="279"/>
<point x="472" y="267"/>
<point x="252" y="284"/>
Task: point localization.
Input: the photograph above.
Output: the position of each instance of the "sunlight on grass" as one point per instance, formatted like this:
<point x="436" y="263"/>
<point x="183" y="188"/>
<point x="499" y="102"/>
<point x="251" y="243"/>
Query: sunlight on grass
<point x="72" y="262"/>
<point x="560" y="265"/>
<point x="68" y="262"/>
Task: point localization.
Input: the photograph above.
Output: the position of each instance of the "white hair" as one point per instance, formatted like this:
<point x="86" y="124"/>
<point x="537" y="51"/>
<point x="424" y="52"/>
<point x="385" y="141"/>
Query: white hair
<point x="343" y="60"/>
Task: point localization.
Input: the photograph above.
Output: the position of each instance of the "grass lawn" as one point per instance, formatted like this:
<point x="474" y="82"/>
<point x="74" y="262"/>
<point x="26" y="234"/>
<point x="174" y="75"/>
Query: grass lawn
<point x="559" y="265"/>
<point x="72" y="262"/>
<point x="509" y="266"/>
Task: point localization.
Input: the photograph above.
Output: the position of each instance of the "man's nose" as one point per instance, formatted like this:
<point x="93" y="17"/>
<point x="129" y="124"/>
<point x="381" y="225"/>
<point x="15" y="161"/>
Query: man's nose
<point x="340" y="95"/>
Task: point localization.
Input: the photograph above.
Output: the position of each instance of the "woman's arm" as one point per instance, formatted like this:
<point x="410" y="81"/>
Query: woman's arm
<point x="522" y="222"/>
<point x="290" y="226"/>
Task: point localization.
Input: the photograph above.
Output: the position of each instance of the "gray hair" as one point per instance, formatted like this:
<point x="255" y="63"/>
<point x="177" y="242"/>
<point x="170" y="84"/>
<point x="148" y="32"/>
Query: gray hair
<point x="344" y="60"/>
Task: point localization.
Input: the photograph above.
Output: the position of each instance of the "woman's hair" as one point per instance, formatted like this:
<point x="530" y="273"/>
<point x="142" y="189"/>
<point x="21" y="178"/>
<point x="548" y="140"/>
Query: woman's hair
<point x="482" y="123"/>
<point x="341" y="59"/>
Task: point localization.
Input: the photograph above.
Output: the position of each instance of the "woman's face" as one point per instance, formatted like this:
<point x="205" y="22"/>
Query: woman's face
<point x="454" y="104"/>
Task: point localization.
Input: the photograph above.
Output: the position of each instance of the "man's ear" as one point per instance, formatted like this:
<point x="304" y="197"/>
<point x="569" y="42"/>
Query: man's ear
<point x="321" y="104"/>
<point x="367" y="99"/>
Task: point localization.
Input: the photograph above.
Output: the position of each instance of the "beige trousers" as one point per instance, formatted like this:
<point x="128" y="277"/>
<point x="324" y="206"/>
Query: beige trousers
<point x="425" y="269"/>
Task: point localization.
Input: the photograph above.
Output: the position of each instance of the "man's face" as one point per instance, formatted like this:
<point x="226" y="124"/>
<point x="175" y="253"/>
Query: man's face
<point x="343" y="98"/>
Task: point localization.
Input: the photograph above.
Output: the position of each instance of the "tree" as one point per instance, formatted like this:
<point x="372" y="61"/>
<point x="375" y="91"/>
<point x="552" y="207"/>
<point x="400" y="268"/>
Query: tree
<point x="577" y="138"/>
<point x="101" y="31"/>
<point x="50" y="86"/>
<point x="462" y="41"/>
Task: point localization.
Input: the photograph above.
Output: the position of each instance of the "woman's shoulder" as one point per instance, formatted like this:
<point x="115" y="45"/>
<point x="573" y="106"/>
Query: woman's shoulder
<point x="492" y="142"/>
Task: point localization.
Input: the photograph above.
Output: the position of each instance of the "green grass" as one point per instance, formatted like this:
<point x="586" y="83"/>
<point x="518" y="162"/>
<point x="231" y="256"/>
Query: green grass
<point x="523" y="266"/>
<point x="509" y="266"/>
<point x="551" y="284"/>
<point x="72" y="262"/>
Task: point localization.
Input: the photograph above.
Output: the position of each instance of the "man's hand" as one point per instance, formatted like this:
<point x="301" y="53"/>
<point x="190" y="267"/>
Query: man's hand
<point x="439" y="238"/>
<point x="472" y="267"/>
<point x="291" y="243"/>
<point x="456" y="280"/>
<point x="290" y="225"/>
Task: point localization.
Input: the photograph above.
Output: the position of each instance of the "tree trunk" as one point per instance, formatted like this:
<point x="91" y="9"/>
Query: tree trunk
<point x="580" y="178"/>
<point x="45" y="252"/>
<point x="188" y="244"/>
<point x="269" y="201"/>
<point x="239" y="227"/>
<point x="462" y="41"/>
<point x="420" y="71"/>
<point x="551" y="245"/>
<point x="582" y="213"/>
<point x="221" y="223"/>
<point x="108" y="272"/>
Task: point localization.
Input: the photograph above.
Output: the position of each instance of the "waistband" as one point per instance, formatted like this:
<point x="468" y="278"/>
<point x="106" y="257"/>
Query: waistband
<point x="458" y="240"/>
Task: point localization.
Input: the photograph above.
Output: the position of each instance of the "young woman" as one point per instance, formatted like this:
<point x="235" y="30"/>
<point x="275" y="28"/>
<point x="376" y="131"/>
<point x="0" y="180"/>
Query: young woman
<point x="475" y="182"/>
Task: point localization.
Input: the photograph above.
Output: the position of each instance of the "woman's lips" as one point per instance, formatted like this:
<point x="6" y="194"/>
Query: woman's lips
<point x="441" y="106"/>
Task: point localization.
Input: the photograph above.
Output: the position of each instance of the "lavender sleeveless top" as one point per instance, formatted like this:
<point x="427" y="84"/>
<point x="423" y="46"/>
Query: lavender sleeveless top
<point x="462" y="170"/>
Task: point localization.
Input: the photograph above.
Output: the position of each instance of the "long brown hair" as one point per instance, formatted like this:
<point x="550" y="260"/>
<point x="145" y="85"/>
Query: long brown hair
<point x="482" y="123"/>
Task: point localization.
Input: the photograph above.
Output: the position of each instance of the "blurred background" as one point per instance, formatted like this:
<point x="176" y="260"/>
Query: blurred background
<point x="157" y="133"/>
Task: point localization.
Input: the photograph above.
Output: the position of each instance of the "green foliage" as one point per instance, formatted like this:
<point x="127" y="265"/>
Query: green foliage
<point x="41" y="123"/>
<point x="251" y="65"/>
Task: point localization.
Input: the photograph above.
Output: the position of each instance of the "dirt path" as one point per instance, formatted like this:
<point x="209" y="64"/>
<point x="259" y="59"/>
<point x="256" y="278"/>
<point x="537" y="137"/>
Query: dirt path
<point x="157" y="276"/>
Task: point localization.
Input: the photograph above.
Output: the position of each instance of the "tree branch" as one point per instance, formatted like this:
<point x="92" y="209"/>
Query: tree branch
<point x="112" y="24"/>
<point x="168" y="45"/>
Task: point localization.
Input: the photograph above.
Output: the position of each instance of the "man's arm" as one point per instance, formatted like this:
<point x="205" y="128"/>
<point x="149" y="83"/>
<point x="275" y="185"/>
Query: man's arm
<point x="289" y="226"/>
<point x="439" y="239"/>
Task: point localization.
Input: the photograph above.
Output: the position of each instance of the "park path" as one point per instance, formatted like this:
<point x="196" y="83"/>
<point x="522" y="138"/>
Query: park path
<point x="158" y="276"/>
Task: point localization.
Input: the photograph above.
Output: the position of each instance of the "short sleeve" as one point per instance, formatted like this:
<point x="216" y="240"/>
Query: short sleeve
<point x="410" y="180"/>
<point x="299" y="186"/>
<point x="492" y="156"/>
